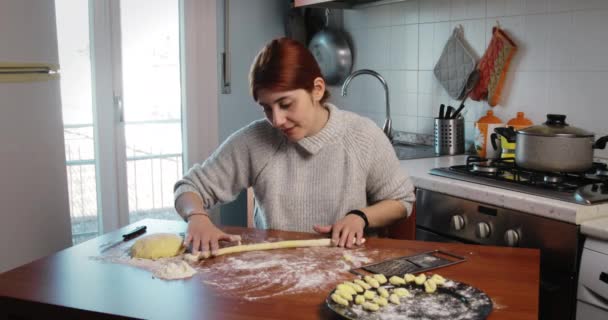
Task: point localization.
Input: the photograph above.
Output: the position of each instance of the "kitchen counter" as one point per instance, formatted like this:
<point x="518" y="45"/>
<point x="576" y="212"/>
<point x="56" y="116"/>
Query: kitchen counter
<point x="560" y="210"/>
<point x="70" y="284"/>
<point x="596" y="228"/>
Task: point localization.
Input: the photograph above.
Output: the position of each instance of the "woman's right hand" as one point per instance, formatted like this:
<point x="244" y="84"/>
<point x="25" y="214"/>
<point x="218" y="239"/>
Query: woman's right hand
<point x="204" y="235"/>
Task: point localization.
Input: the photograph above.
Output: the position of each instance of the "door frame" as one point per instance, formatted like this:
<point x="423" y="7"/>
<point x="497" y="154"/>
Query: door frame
<point x="199" y="65"/>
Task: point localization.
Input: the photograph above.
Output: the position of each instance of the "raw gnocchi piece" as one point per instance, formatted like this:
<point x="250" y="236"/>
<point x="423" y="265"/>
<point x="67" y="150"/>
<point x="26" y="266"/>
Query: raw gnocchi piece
<point x="395" y="280"/>
<point x="344" y="294"/>
<point x="380" y="277"/>
<point x="371" y="281"/>
<point x="346" y="288"/>
<point x="359" y="299"/>
<point x="381" y="301"/>
<point x="369" y="295"/>
<point x="338" y="299"/>
<point x="430" y="286"/>
<point x="383" y="292"/>
<point x="363" y="284"/>
<point x="409" y="277"/>
<point x="401" y="292"/>
<point x="393" y="298"/>
<point x="356" y="287"/>
<point x="370" y="306"/>
<point x="420" y="279"/>
<point x="438" y="279"/>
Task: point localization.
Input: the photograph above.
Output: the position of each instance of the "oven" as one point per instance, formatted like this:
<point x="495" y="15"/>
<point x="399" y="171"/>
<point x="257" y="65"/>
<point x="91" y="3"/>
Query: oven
<point x="445" y="218"/>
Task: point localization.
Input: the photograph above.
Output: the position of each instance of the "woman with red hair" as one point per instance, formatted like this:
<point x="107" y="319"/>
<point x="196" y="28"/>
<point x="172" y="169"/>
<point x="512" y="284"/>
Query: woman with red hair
<point x="312" y="166"/>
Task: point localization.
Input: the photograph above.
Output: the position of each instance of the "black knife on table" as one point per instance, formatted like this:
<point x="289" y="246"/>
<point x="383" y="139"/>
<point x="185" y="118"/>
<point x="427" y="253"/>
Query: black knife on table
<point x="125" y="237"/>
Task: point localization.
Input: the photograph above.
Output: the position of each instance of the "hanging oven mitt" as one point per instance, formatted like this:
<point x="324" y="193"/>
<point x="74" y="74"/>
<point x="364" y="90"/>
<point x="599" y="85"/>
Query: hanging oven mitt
<point x="455" y="64"/>
<point x="493" y="67"/>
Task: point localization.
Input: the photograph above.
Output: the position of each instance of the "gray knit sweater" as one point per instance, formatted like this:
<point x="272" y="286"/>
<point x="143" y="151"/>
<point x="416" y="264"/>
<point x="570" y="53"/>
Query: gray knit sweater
<point x="349" y="164"/>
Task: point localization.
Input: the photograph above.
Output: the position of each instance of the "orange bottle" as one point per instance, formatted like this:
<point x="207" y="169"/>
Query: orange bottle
<point x="484" y="127"/>
<point x="519" y="122"/>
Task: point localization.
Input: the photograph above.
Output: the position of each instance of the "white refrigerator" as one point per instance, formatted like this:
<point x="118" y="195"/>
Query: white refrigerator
<point x="34" y="207"/>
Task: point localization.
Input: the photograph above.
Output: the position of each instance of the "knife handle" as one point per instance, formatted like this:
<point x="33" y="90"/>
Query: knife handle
<point x="133" y="234"/>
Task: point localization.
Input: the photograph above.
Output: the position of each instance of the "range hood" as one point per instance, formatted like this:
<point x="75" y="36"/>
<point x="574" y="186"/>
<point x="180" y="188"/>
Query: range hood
<point x="342" y="4"/>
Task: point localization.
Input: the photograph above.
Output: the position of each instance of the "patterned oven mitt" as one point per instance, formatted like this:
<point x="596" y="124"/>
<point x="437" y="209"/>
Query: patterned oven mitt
<point x="493" y="67"/>
<point x="455" y="65"/>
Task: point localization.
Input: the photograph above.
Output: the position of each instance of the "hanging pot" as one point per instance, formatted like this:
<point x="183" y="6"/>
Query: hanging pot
<point x="556" y="146"/>
<point x="331" y="49"/>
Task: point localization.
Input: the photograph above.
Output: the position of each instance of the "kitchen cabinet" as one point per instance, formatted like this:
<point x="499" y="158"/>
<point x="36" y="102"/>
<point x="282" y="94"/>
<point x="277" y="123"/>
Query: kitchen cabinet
<point x="70" y="284"/>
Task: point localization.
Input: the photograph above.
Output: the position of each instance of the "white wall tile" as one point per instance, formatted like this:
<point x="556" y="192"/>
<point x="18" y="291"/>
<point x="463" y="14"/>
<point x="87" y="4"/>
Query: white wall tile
<point x="533" y="43"/>
<point x="425" y="125"/>
<point x="535" y="6"/>
<point x="378" y="16"/>
<point x="559" y="42"/>
<point x="404" y="47"/>
<point x="590" y="40"/>
<point x="403" y="123"/>
<point x="354" y="19"/>
<point x="405" y="12"/>
<point x="425" y="46"/>
<point x="560" y="5"/>
<point x="434" y="10"/>
<point x="378" y="48"/>
<point x="467" y="9"/>
<point x="399" y="48"/>
<point x="503" y="8"/>
<point x="589" y="4"/>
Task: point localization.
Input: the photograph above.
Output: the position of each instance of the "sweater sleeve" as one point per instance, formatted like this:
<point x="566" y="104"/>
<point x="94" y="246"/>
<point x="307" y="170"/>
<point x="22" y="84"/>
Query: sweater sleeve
<point x="386" y="180"/>
<point x="231" y="168"/>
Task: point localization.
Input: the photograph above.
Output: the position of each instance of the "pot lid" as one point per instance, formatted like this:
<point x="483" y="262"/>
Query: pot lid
<point x="556" y="126"/>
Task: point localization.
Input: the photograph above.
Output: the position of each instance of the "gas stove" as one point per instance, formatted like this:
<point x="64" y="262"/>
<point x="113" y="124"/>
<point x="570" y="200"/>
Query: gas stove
<point x="587" y="188"/>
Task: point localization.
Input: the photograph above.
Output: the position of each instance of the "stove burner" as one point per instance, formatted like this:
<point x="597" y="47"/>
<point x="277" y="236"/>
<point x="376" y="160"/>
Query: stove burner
<point x="574" y="187"/>
<point x="602" y="173"/>
<point x="552" y="179"/>
<point x="484" y="167"/>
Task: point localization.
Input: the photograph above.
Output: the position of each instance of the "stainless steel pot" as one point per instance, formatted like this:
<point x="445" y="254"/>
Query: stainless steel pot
<point x="556" y="146"/>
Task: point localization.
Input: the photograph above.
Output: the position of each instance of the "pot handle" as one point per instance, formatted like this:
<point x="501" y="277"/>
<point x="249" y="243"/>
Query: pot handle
<point x="601" y="143"/>
<point x="493" y="138"/>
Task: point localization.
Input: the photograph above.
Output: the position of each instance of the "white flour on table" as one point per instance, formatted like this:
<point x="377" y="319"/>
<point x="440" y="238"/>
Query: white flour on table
<point x="257" y="274"/>
<point x="263" y="274"/>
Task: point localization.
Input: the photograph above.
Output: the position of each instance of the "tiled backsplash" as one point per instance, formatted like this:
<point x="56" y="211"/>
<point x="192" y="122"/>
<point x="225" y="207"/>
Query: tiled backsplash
<point x="561" y="65"/>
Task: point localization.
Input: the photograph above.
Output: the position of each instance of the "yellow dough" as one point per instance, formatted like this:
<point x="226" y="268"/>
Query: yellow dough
<point x="158" y="245"/>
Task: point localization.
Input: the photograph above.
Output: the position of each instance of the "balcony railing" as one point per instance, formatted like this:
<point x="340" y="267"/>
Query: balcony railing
<point x="150" y="182"/>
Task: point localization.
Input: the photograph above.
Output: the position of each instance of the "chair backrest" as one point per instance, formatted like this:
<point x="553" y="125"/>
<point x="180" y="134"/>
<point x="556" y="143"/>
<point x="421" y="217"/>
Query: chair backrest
<point x="404" y="229"/>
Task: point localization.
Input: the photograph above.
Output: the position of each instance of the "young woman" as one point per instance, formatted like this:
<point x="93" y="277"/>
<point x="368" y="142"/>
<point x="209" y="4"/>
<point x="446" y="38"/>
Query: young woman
<point x="311" y="165"/>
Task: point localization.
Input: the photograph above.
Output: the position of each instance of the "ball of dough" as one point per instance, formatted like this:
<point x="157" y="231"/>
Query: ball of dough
<point x="158" y="245"/>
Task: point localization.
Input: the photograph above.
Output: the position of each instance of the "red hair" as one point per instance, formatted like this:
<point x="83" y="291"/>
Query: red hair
<point x="284" y="65"/>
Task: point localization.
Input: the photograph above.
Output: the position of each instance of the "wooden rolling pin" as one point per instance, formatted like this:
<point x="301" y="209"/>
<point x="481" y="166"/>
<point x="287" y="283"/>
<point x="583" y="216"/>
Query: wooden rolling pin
<point x="263" y="246"/>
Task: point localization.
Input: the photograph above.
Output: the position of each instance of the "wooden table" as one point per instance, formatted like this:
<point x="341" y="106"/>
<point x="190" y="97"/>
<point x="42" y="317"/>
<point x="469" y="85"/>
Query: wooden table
<point x="69" y="284"/>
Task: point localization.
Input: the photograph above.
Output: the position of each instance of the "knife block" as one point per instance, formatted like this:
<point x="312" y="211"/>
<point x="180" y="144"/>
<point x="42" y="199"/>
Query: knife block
<point x="449" y="136"/>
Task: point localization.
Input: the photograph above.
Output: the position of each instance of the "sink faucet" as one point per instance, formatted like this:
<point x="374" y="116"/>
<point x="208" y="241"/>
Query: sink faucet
<point x="387" y="128"/>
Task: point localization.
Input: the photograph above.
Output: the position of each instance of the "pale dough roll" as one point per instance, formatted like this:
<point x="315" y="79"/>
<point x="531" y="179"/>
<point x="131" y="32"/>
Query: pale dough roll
<point x="158" y="245"/>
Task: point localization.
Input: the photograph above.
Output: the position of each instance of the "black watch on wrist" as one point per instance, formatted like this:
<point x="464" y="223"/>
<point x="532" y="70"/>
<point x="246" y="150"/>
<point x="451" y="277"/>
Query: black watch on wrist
<point x="362" y="215"/>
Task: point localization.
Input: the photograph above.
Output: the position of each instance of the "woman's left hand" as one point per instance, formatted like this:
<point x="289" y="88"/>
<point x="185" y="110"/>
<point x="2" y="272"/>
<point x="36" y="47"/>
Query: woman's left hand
<point x="345" y="232"/>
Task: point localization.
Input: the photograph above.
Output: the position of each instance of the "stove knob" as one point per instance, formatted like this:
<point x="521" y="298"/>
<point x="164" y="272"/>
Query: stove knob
<point x="457" y="222"/>
<point x="604" y="188"/>
<point x="483" y="230"/>
<point x="594" y="187"/>
<point x="512" y="238"/>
